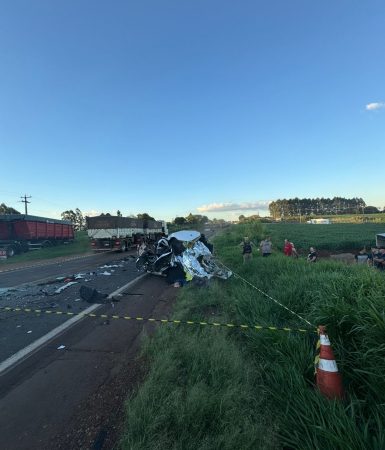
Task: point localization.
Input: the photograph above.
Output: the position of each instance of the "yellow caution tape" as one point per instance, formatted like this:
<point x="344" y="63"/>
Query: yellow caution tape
<point x="151" y="319"/>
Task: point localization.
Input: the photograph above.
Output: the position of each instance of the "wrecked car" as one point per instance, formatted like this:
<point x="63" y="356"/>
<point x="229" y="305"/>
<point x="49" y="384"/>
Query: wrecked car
<point x="181" y="255"/>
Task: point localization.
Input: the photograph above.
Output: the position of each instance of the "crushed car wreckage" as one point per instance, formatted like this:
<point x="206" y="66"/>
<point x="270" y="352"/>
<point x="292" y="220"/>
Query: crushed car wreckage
<point x="181" y="256"/>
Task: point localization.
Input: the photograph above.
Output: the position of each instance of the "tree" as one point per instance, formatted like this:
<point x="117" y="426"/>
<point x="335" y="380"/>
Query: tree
<point x="118" y="213"/>
<point x="371" y="210"/>
<point x="4" y="209"/>
<point x="144" y="216"/>
<point x="249" y="219"/>
<point x="180" y="220"/>
<point x="76" y="217"/>
<point x="196" y="218"/>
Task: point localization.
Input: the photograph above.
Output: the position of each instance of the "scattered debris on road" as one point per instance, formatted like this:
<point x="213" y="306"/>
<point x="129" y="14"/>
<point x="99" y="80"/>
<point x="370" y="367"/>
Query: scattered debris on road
<point x="61" y="288"/>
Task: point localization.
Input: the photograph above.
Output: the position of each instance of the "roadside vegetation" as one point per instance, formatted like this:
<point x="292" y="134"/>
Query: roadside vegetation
<point x="80" y="246"/>
<point x="228" y="388"/>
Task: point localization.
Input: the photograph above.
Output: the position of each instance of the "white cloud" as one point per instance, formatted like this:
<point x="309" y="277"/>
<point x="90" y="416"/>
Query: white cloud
<point x="374" y="106"/>
<point x="244" y="206"/>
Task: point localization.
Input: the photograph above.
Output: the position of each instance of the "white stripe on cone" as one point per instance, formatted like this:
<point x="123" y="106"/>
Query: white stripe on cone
<point x="324" y="340"/>
<point x="327" y="365"/>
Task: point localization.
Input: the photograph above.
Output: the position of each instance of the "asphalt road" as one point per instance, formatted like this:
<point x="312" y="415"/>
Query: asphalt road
<point x="70" y="393"/>
<point x="33" y="271"/>
<point x="51" y="294"/>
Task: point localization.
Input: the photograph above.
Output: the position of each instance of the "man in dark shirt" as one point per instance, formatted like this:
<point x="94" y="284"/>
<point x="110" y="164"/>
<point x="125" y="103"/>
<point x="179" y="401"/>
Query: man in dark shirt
<point x="312" y="256"/>
<point x="379" y="260"/>
<point x="247" y="249"/>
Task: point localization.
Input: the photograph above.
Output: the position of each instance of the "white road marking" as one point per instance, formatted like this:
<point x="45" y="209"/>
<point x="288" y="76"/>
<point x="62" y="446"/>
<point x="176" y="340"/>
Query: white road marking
<point x="24" y="353"/>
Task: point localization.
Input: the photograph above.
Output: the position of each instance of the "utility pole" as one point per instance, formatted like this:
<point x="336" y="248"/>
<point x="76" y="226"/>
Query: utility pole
<point x="25" y="201"/>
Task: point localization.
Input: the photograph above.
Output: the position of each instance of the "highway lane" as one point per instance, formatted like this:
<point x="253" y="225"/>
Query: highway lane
<point x="105" y="273"/>
<point x="11" y="276"/>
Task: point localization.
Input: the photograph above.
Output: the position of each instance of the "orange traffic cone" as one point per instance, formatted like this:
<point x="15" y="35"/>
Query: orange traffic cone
<point x="329" y="380"/>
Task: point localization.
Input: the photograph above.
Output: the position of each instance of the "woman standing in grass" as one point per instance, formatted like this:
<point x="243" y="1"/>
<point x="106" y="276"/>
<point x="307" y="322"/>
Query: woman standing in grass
<point x="266" y="246"/>
<point x="288" y="248"/>
<point x="294" y="252"/>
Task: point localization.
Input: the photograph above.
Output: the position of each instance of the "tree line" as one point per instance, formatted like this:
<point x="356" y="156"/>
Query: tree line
<point x="319" y="206"/>
<point x="196" y="219"/>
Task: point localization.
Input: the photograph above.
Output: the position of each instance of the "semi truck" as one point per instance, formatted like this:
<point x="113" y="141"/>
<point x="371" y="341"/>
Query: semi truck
<point x="20" y="233"/>
<point x="121" y="233"/>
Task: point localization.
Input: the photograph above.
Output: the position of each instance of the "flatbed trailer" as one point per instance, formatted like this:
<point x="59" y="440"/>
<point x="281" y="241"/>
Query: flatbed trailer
<point x="122" y="233"/>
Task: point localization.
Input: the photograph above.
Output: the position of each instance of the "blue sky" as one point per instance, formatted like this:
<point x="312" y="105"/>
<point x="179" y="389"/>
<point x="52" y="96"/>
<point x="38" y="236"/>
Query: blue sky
<point x="170" y="106"/>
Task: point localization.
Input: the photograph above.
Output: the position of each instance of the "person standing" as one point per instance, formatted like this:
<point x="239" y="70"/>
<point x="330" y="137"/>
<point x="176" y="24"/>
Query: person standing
<point x="247" y="249"/>
<point x="312" y="256"/>
<point x="294" y="252"/>
<point x="288" y="248"/>
<point x="266" y="246"/>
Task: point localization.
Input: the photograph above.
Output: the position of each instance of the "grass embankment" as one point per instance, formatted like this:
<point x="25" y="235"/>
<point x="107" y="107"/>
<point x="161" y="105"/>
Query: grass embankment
<point x="333" y="237"/>
<point x="80" y="246"/>
<point x="219" y="388"/>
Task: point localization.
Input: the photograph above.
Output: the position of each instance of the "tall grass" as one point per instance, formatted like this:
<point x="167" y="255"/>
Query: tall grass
<point x="215" y="388"/>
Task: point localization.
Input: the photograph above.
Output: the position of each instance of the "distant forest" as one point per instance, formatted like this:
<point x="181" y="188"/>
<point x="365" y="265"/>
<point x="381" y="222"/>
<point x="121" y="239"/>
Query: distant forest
<point x="319" y="206"/>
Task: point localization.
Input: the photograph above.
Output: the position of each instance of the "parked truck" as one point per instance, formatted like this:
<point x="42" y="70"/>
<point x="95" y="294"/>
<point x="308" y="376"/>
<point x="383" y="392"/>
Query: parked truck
<point x="121" y="233"/>
<point x="20" y="233"/>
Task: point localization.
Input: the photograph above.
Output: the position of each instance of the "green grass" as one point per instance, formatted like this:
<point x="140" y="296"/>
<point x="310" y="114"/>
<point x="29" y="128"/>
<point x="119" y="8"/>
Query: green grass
<point x="80" y="246"/>
<point x="328" y="237"/>
<point x="212" y="388"/>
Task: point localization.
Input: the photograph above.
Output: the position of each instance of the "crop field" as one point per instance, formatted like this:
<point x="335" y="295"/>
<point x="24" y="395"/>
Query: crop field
<point x="333" y="237"/>
<point x="230" y="388"/>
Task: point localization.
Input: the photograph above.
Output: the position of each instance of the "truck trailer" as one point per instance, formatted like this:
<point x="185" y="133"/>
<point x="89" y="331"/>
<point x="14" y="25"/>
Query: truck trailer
<point x="121" y="233"/>
<point x="20" y="232"/>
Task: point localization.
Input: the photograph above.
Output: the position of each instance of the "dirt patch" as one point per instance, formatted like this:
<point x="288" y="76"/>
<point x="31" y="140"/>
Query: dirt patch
<point x="344" y="257"/>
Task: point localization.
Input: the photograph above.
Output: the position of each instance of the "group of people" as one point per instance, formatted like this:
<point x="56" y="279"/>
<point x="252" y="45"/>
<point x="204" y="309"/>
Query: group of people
<point x="375" y="257"/>
<point x="247" y="248"/>
<point x="266" y="246"/>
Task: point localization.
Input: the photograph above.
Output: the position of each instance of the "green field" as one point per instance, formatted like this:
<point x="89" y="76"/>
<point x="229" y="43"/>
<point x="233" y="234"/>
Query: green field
<point x="229" y="388"/>
<point x="358" y="218"/>
<point x="344" y="236"/>
<point x="80" y="246"/>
